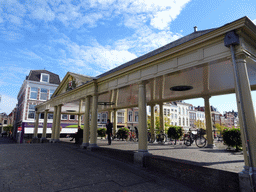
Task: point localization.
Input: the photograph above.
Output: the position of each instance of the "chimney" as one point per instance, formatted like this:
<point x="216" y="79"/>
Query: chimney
<point x="195" y="29"/>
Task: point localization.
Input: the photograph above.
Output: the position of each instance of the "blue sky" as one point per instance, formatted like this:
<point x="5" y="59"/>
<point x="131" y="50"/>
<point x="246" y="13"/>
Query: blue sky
<point x="92" y="36"/>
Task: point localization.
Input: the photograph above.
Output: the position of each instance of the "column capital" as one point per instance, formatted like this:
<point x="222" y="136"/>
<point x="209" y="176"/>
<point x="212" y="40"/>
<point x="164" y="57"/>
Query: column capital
<point x="46" y="110"/>
<point x="142" y="83"/>
<point x="207" y="97"/>
<point x="241" y="57"/>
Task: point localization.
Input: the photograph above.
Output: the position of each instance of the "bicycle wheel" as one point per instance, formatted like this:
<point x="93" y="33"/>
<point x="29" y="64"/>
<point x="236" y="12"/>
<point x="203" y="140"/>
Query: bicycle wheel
<point x="200" y="141"/>
<point x="187" y="140"/>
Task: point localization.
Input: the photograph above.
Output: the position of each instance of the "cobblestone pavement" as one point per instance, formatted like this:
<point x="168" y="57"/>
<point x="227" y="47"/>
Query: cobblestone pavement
<point x="64" y="167"/>
<point x="217" y="158"/>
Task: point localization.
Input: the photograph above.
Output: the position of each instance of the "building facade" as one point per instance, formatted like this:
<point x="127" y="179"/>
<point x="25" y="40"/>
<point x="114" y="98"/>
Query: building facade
<point x="38" y="87"/>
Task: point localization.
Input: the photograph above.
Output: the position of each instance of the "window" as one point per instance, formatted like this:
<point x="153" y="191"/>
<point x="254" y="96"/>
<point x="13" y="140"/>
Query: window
<point x="172" y="116"/>
<point x="186" y="122"/>
<point x="64" y="117"/>
<point x="120" y="117"/>
<point x="104" y="118"/>
<point x="72" y="117"/>
<point x="33" y="93"/>
<point x="50" y="115"/>
<point x="31" y="112"/>
<point x="183" y="121"/>
<point x="43" y="95"/>
<point x="183" y="111"/>
<point x="51" y="92"/>
<point x="130" y="116"/>
<point x="99" y="117"/>
<point x="179" y="110"/>
<point x="136" y="116"/>
<point x="5" y="121"/>
<point x="164" y="111"/>
<point x="175" y="116"/>
<point x="44" y="77"/>
<point x="41" y="116"/>
<point x="179" y="121"/>
<point x="168" y="112"/>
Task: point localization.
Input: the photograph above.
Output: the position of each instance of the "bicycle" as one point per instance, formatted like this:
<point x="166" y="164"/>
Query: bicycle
<point x="161" y="137"/>
<point x="132" y="136"/>
<point x="199" y="138"/>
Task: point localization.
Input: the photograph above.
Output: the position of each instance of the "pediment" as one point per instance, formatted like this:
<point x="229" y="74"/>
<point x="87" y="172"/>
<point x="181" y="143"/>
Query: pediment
<point x="70" y="82"/>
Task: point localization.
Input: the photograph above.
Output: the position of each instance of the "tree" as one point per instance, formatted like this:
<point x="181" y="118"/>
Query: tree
<point x="220" y="128"/>
<point x="167" y="122"/>
<point x="175" y="132"/>
<point x="199" y="124"/>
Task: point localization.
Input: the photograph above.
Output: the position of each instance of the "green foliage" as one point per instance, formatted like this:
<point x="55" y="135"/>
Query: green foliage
<point x="167" y="123"/>
<point x="232" y="138"/>
<point x="175" y="132"/>
<point x="199" y="124"/>
<point x="8" y="128"/>
<point x="123" y="132"/>
<point x="102" y="132"/>
<point x="219" y="128"/>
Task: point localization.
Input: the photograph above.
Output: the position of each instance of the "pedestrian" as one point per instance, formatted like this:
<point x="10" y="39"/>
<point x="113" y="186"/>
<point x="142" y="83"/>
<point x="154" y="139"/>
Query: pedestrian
<point x="109" y="127"/>
<point x="78" y="135"/>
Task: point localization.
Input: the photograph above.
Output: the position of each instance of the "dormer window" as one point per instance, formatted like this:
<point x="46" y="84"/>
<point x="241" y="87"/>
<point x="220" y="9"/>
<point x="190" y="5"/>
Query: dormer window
<point x="45" y="77"/>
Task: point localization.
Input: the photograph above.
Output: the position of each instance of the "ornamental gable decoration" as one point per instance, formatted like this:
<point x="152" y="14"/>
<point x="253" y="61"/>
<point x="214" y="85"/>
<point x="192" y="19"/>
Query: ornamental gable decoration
<point x="71" y="83"/>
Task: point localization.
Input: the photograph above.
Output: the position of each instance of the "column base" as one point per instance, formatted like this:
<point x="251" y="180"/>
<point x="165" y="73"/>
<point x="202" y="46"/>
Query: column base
<point x="84" y="145"/>
<point x="35" y="140"/>
<point x="139" y="157"/>
<point x="92" y="147"/>
<point x="210" y="146"/>
<point x="55" y="141"/>
<point x="44" y="140"/>
<point x="245" y="180"/>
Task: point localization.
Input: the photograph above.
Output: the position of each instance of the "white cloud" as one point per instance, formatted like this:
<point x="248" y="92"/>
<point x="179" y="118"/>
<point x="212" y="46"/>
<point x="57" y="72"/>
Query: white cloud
<point x="7" y="104"/>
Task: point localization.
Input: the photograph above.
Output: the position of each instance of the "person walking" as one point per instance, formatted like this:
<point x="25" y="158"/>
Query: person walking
<point x="109" y="127"/>
<point x="78" y="135"/>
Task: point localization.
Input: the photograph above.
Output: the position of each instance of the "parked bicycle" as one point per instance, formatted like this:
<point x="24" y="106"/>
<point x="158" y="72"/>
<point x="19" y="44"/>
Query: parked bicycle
<point x="132" y="136"/>
<point x="161" y="137"/>
<point x="199" y="138"/>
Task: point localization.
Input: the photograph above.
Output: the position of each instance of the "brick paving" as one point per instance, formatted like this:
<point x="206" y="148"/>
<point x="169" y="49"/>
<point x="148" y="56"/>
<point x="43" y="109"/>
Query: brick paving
<point x="65" y="167"/>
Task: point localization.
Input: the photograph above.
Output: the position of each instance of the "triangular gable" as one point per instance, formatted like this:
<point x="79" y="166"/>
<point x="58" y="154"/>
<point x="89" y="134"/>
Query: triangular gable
<point x="70" y="82"/>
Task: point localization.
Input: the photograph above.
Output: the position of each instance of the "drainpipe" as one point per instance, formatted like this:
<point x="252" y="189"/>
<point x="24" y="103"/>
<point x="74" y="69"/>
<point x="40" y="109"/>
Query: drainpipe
<point x="232" y="39"/>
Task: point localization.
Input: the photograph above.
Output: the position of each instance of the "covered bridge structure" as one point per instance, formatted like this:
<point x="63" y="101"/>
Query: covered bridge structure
<point x="200" y="65"/>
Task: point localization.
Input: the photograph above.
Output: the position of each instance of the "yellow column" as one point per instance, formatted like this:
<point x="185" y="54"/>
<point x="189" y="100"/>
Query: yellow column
<point x="86" y="130"/>
<point x="114" y="122"/>
<point x="143" y="145"/>
<point x="45" y="125"/>
<point x="54" y="123"/>
<point x="161" y="116"/>
<point x="57" y="127"/>
<point x="80" y="109"/>
<point x="152" y="122"/>
<point x="208" y="120"/>
<point x="246" y="113"/>
<point x="94" y="125"/>
<point x="36" y="125"/>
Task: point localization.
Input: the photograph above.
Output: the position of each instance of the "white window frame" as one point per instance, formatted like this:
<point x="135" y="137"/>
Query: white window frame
<point x="43" y="93"/>
<point x="103" y="118"/>
<point x="130" y="116"/>
<point x="51" y="91"/>
<point x="136" y="116"/>
<point x="120" y="117"/>
<point x="31" y="110"/>
<point x="64" y="118"/>
<point x="44" y="74"/>
<point x="33" y="92"/>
